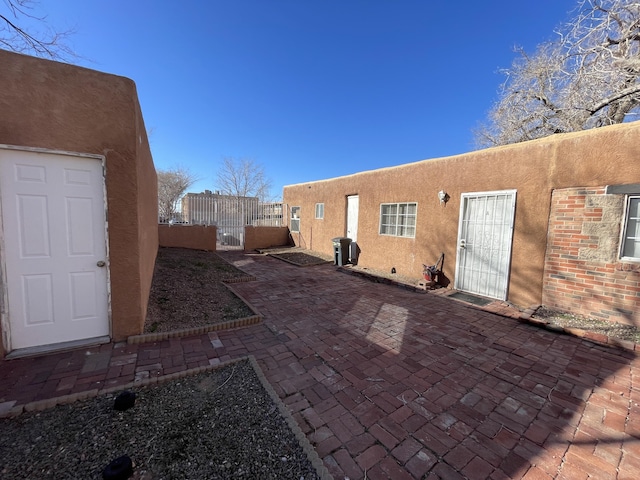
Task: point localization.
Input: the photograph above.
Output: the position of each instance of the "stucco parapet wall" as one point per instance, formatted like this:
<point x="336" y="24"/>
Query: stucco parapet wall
<point x="571" y="147"/>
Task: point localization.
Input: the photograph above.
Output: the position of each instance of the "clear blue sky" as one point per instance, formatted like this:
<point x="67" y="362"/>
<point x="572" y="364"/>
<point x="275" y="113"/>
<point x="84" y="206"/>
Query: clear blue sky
<point x="311" y="89"/>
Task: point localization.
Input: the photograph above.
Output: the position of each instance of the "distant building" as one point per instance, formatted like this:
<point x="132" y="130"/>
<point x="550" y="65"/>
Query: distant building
<point x="230" y="214"/>
<point x="269" y="215"/>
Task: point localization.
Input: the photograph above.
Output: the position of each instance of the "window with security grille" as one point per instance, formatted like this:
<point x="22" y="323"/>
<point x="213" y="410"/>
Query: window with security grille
<point x="398" y="219"/>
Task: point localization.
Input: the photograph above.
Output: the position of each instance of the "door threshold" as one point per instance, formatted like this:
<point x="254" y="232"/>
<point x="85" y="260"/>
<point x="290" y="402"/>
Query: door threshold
<point x="57" y="347"/>
<point x="472" y="298"/>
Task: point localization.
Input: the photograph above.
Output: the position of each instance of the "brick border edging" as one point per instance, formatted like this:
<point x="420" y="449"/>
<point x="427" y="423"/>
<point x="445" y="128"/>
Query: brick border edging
<point x="249" y="278"/>
<point x="598" y="338"/>
<point x="302" y="439"/>
<point x="382" y="280"/>
<point x="39" y="405"/>
<point x="304" y="265"/>
<point x="254" y="319"/>
<point x="186" y="332"/>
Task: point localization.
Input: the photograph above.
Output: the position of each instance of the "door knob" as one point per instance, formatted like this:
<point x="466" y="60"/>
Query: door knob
<point x="101" y="263"/>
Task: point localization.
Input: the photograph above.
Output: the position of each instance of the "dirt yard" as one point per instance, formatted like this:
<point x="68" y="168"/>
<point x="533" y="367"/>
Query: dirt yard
<point x="188" y="290"/>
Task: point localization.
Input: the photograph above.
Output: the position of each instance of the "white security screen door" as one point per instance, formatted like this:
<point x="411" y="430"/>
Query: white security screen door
<point x="485" y="234"/>
<point x="53" y="223"/>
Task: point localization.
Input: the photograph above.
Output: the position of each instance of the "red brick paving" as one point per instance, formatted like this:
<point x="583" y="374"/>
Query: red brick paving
<point x="390" y="383"/>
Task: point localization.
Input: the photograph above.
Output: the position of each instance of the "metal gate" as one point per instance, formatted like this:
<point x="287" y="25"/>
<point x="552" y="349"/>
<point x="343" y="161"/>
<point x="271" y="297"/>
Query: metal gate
<point x="230" y="214"/>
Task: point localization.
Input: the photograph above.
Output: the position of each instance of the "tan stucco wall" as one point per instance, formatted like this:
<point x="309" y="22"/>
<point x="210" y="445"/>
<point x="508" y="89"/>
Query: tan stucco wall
<point x="265" y="237"/>
<point x="147" y="190"/>
<point x="55" y="106"/>
<point x="604" y="156"/>
<point x="197" y="237"/>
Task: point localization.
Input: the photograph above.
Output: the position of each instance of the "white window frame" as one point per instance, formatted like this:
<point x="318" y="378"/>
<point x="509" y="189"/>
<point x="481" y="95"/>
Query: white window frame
<point x="295" y="220"/>
<point x="397" y="224"/>
<point x="625" y="226"/>
<point x="319" y="211"/>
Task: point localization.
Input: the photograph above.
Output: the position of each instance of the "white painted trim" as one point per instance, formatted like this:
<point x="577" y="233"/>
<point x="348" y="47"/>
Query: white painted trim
<point x="57" y="347"/>
<point x="52" y="151"/>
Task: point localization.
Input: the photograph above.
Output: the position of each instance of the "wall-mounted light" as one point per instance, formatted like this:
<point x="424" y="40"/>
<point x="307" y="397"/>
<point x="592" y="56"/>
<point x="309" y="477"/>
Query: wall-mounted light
<point x="443" y="196"/>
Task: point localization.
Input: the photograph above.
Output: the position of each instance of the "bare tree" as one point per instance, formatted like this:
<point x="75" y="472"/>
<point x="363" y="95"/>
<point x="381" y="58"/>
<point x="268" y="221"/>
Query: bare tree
<point x="40" y="39"/>
<point x="172" y="185"/>
<point x="587" y="78"/>
<point x="243" y="177"/>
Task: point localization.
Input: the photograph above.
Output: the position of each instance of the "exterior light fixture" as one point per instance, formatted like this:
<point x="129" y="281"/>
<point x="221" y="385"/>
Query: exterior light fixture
<point x="443" y="196"/>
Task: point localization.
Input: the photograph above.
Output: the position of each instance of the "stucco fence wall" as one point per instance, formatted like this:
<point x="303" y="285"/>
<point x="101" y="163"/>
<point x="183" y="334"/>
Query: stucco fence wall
<point x="583" y="272"/>
<point x="608" y="155"/>
<point x="266" y="237"/>
<point x="55" y="106"/>
<point x="204" y="237"/>
<point x="197" y="237"/>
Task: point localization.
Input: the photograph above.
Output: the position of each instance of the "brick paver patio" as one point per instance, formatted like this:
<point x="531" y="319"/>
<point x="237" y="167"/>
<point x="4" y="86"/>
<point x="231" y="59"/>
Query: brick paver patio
<point x="390" y="383"/>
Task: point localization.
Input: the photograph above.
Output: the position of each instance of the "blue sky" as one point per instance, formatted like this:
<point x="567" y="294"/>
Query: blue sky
<point x="310" y="89"/>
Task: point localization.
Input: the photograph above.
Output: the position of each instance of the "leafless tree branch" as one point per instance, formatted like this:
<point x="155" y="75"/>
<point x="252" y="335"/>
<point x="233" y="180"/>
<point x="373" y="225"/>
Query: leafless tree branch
<point x="587" y="78"/>
<point x="41" y="42"/>
<point x="172" y="185"/>
<point x="243" y="177"/>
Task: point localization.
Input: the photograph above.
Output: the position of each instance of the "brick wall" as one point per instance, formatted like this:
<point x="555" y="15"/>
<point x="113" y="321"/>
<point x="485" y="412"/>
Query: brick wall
<point x="583" y="273"/>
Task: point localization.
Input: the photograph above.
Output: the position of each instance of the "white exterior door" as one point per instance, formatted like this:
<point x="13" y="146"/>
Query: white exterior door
<point x="485" y="234"/>
<point x="353" y="202"/>
<point x="353" y="205"/>
<point x="54" y="247"/>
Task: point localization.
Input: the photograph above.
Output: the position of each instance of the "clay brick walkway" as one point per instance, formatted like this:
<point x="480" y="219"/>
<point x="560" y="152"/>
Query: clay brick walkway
<point x="395" y="384"/>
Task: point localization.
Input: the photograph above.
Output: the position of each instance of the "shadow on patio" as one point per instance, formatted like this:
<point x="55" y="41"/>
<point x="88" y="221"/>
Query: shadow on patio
<point x="397" y="384"/>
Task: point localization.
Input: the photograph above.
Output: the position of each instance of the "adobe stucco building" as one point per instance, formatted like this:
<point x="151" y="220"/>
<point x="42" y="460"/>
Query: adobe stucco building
<point x="78" y="193"/>
<point x="549" y="222"/>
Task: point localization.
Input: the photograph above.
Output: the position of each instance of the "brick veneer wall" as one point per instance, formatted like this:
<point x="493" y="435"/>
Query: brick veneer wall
<point x="583" y="273"/>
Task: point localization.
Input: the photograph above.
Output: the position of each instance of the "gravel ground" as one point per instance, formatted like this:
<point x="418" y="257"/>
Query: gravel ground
<point x="221" y="424"/>
<point x="610" y="329"/>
